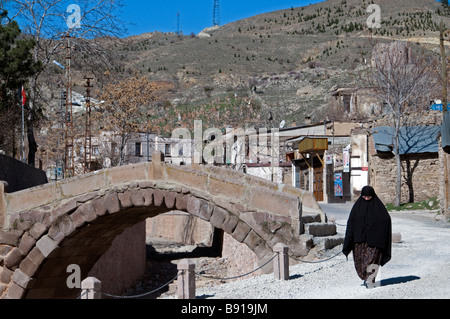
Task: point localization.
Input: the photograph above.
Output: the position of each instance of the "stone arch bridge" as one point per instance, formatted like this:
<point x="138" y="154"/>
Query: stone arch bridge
<point x="47" y="228"/>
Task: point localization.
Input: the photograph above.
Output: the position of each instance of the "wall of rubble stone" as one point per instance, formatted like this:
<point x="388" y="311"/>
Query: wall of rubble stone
<point x="425" y="177"/>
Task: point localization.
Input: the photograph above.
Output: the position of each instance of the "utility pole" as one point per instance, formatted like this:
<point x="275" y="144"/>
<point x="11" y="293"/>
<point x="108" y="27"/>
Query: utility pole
<point x="444" y="73"/>
<point x="69" y="165"/>
<point x="444" y="77"/>
<point x="178" y="23"/>
<point x="88" y="132"/>
<point x="216" y="14"/>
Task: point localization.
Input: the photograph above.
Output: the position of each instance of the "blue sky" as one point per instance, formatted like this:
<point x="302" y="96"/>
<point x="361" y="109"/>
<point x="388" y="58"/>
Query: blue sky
<point x="153" y="15"/>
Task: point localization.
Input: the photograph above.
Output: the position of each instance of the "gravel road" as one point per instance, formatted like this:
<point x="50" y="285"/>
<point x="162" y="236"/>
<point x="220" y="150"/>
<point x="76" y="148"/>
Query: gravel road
<point x="419" y="268"/>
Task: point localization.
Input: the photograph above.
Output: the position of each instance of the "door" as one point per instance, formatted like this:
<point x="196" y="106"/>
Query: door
<point x="318" y="184"/>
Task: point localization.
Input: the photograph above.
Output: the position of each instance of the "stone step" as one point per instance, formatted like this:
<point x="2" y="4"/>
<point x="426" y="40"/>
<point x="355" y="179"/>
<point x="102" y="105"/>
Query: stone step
<point x="328" y="242"/>
<point x="320" y="229"/>
<point x="311" y="218"/>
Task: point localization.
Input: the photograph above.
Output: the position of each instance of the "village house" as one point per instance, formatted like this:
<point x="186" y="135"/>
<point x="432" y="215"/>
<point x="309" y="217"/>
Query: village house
<point x="419" y="154"/>
<point x="321" y="158"/>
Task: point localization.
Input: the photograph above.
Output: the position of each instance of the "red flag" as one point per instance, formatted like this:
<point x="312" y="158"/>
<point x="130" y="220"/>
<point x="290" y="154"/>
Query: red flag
<point x="24" y="97"/>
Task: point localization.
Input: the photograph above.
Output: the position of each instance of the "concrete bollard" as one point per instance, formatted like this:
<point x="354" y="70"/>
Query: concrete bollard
<point x="396" y="238"/>
<point x="186" y="279"/>
<point x="91" y="288"/>
<point x="281" y="262"/>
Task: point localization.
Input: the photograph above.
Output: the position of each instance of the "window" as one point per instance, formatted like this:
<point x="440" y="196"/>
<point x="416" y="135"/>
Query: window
<point x="138" y="149"/>
<point x="167" y="150"/>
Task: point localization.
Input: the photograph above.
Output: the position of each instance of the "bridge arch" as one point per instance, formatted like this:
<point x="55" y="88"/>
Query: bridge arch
<point x="74" y="222"/>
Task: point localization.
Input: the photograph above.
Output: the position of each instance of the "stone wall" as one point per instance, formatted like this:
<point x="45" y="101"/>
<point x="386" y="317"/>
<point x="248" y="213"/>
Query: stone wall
<point x="241" y="259"/>
<point x="186" y="229"/>
<point x="19" y="175"/>
<point x="180" y="227"/>
<point x="425" y="177"/>
<point x="123" y="265"/>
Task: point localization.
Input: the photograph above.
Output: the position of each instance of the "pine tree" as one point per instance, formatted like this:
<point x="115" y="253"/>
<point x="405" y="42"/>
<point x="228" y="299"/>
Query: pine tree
<point x="17" y="66"/>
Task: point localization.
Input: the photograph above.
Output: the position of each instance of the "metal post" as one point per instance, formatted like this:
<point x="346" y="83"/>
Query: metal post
<point x="69" y="165"/>
<point x="91" y="288"/>
<point x="186" y="279"/>
<point x="88" y="132"/>
<point x="281" y="262"/>
<point x="22" y="139"/>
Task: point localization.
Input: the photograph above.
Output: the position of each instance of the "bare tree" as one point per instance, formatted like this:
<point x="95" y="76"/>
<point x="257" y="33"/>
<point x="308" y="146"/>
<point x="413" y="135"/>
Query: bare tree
<point x="47" y="22"/>
<point x="124" y="111"/>
<point x="403" y="84"/>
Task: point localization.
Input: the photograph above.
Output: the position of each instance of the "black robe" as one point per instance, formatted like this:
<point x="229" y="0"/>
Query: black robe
<point x="369" y="222"/>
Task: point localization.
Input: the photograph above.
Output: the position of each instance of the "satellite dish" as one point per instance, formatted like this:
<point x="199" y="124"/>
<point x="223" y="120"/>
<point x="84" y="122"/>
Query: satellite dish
<point x="282" y="124"/>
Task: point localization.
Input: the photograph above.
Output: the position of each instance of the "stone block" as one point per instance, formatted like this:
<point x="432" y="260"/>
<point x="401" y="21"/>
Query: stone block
<point x="137" y="198"/>
<point x="255" y="243"/>
<point x="10" y="238"/>
<point x="274" y="202"/>
<point x="125" y="174"/>
<point x="148" y="196"/>
<point x="218" y="217"/>
<point x="88" y="212"/>
<point x="230" y="224"/>
<point x="199" y="208"/>
<point x="62" y="228"/>
<point x="20" y="278"/>
<point x="83" y="184"/>
<point x="241" y="231"/>
<point x="37" y="230"/>
<point x="15" y="292"/>
<point x="5" y="275"/>
<point x="157" y="169"/>
<point x="4" y="250"/>
<point x="27" y="243"/>
<point x="36" y="256"/>
<point x="188" y="177"/>
<point x="35" y="197"/>
<point x="158" y="197"/>
<point x="321" y="229"/>
<point x="169" y="199"/>
<point x="13" y="259"/>
<point x="46" y="245"/>
<point x="125" y="199"/>
<point x="222" y="187"/>
<point x="28" y="267"/>
<point x="181" y="202"/>
<point x="99" y="206"/>
<point x="396" y="238"/>
<point x="112" y="203"/>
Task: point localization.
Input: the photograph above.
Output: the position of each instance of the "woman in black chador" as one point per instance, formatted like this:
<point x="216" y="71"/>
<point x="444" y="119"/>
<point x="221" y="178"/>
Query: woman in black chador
<point x="369" y="233"/>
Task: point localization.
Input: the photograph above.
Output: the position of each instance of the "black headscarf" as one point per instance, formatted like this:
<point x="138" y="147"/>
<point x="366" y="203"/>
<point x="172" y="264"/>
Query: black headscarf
<point x="369" y="222"/>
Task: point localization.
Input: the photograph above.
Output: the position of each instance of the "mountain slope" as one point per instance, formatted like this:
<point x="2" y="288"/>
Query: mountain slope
<point x="284" y="62"/>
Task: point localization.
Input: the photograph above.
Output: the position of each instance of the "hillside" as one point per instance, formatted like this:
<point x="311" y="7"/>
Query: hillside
<point x="275" y="66"/>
